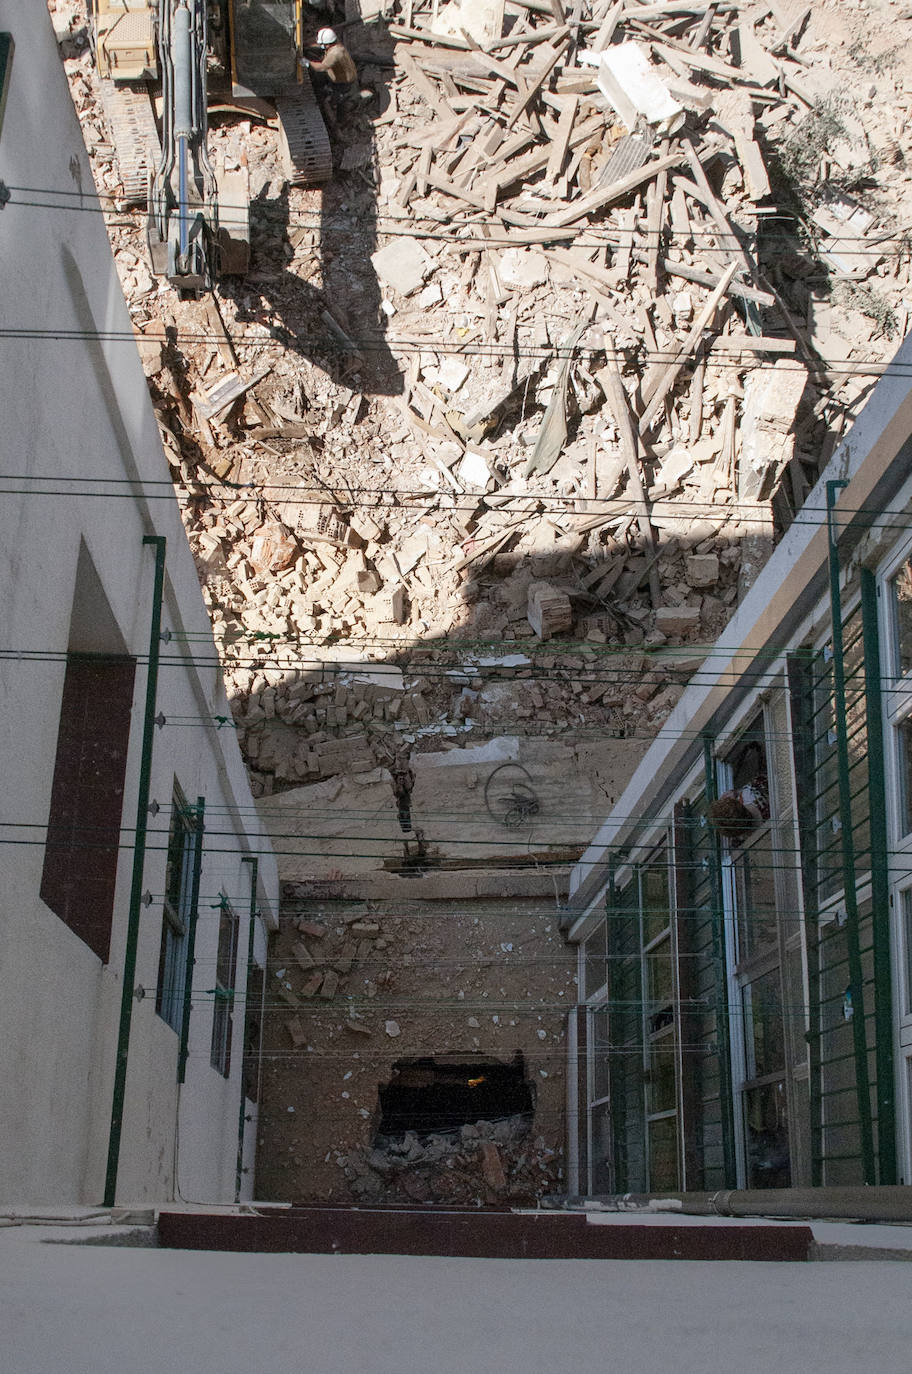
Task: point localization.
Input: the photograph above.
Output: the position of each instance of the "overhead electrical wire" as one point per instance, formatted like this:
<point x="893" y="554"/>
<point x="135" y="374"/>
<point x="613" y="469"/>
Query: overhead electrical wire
<point x="446" y="502"/>
<point x="381" y="342"/>
<point x="320" y="219"/>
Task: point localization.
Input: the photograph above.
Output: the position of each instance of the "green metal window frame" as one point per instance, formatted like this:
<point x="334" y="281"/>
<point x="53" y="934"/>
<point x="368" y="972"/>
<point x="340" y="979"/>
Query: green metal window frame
<point x="223" y="992"/>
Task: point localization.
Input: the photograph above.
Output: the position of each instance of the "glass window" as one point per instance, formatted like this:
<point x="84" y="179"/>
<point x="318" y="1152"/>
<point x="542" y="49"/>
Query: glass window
<point x="660" y="985"/>
<point x="764" y="1039"/>
<point x="907" y="940"/>
<point x="901" y="587"/>
<point x="656" y="911"/>
<point x="601" y="1149"/>
<point x="766" y="1131"/>
<point x="599" y="1048"/>
<point x="904" y="744"/>
<point x="223" y="1007"/>
<point x="595" y="968"/>
<point x="662" y="1094"/>
<point x="172" y="965"/>
<point x="755" y="896"/>
<point x="663" y="1153"/>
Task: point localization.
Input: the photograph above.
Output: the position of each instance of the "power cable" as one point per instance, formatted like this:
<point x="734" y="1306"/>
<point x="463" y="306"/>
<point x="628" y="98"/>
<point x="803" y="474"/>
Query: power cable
<point x="319" y="219"/>
<point x="383" y="343"/>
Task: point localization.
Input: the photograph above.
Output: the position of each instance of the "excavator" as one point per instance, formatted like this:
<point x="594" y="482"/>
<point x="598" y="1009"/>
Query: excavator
<point x="186" y="53"/>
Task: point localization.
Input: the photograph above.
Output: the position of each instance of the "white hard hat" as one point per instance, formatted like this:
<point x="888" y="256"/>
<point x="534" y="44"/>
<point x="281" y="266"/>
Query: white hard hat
<point x="325" y="37"/>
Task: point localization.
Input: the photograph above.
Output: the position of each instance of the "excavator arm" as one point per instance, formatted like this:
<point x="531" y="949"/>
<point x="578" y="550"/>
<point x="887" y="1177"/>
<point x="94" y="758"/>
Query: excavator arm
<point x="183" y="204"/>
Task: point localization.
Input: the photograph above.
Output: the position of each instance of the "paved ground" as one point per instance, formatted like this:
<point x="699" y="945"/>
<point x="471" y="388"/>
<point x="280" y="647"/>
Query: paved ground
<point x="100" y="1310"/>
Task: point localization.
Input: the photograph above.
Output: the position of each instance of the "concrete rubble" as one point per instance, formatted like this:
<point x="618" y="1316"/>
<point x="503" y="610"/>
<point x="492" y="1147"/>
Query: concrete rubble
<point x="513" y="234"/>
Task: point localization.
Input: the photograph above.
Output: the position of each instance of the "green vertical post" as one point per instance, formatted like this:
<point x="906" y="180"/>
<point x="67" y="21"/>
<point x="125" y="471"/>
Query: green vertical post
<point x="136" y="886"/>
<point x="799" y="678"/>
<point x="880" y="887"/>
<point x="720" y="964"/>
<point x="856" y="977"/>
<point x="200" y="812"/>
<point x="251" y="930"/>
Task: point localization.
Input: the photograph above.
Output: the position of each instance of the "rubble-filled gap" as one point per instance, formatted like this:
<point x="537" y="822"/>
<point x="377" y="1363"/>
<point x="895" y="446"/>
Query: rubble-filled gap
<point x="430" y="1096"/>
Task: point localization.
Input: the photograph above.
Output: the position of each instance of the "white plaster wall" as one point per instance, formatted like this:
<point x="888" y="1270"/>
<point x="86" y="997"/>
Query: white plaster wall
<point x="79" y="407"/>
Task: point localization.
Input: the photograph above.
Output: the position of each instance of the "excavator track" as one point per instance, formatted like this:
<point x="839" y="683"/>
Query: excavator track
<point x="131" y="124"/>
<point x="303" y="140"/>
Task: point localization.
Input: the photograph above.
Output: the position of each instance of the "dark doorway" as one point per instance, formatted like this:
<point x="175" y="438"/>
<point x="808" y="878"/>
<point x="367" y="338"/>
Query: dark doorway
<point x="428" y="1096"/>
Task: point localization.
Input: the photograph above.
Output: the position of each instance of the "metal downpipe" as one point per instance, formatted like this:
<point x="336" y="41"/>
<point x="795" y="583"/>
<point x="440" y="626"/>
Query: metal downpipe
<point x="136" y="887"/>
<point x="880" y="1203"/>
<point x="251" y="929"/>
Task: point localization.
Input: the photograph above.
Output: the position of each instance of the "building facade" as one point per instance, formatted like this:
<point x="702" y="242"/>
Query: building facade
<point x="744" y="916"/>
<point x="137" y="880"/>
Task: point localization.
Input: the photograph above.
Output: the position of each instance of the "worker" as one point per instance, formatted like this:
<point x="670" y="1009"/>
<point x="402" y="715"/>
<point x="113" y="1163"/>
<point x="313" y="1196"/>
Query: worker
<point x="337" y="70"/>
<point x="403" y="779"/>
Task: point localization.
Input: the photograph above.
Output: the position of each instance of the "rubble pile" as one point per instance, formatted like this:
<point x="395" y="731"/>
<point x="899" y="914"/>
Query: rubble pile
<point x="480" y="1164"/>
<point x="355" y="987"/>
<point x="324" y="958"/>
<point x="528" y="390"/>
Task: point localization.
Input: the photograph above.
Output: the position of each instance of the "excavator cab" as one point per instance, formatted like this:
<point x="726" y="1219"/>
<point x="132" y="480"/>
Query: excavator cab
<point x="122" y="33"/>
<point x="265" y="45"/>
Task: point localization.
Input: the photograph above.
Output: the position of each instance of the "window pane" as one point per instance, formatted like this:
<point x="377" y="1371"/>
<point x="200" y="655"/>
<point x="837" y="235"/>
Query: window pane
<point x="598" y="1042"/>
<point x="907" y="933"/>
<point x="172" y="966"/>
<point x="764" y="1039"/>
<point x="662" y="1090"/>
<point x="755" y="895"/>
<point x="655" y="898"/>
<point x="663" y="1153"/>
<point x="601" y="1150"/>
<point x="594" y="965"/>
<point x="660" y="986"/>
<point x="766" y="1122"/>
<point x="902" y="602"/>
<point x="223" y="1008"/>
<point x="904" y="744"/>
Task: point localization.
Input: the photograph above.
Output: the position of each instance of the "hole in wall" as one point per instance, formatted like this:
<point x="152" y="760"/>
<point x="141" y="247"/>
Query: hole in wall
<point x="433" y="1095"/>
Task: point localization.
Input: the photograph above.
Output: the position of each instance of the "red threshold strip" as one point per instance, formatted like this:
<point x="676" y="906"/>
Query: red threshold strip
<point x="488" y="1234"/>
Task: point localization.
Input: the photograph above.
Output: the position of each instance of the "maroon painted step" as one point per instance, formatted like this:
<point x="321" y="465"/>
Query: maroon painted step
<point x="488" y="1234"/>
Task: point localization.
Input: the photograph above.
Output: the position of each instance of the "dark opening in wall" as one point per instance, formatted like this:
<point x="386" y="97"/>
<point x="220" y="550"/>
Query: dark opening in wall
<point x="428" y="1096"/>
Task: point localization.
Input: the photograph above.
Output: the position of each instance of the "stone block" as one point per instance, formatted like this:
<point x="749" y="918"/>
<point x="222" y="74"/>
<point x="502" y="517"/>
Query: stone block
<point x="702" y="570"/>
<point x="491" y="1166"/>
<point x="330" y="986"/>
<point x="677" y="620"/>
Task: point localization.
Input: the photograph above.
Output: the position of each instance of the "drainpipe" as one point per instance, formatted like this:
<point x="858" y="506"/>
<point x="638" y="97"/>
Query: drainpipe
<point x="856" y="975"/>
<point x="851" y="1203"/>
<point x="139" y="859"/>
<point x="251" y="929"/>
<point x="880" y="887"/>
<point x="191" y="940"/>
<point x="720" y="978"/>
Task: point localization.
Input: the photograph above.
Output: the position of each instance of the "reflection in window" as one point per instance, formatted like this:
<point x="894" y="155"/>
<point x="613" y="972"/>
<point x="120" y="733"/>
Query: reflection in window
<point x="660" y="986"/>
<point x="766" y="1122"/>
<point x="755" y="897"/>
<point x="662" y="1094"/>
<point x="600" y="1049"/>
<point x="655" y="899"/>
<point x="764" y="1040"/>
<point x="907" y="940"/>
<point x="595" y="968"/>
<point x="901" y="586"/>
<point x="904" y="743"/>
<point x="663" y="1153"/>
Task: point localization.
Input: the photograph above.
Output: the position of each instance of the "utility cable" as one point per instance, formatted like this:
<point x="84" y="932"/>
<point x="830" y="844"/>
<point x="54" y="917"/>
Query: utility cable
<point x="620" y="237"/>
<point x="383" y="343"/>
